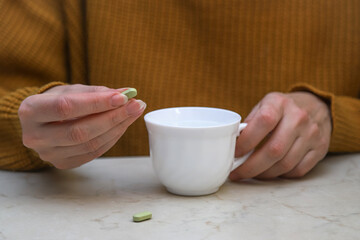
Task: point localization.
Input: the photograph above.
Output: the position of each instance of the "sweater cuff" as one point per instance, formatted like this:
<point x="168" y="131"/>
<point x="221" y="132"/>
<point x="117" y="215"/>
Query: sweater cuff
<point x="327" y="97"/>
<point x="49" y="85"/>
<point x="344" y="115"/>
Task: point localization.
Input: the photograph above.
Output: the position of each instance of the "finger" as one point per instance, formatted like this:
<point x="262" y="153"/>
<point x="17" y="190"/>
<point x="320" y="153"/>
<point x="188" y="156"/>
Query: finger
<point x="82" y="130"/>
<point x="91" y="147"/>
<point x="78" y="160"/>
<point x="80" y="88"/>
<point x="51" y="108"/>
<point x="272" y="151"/>
<point x="77" y="88"/>
<point x="264" y="120"/>
<point x="297" y="152"/>
<point x="252" y="113"/>
<point x="299" y="125"/>
<point x="304" y="166"/>
<point x="247" y="120"/>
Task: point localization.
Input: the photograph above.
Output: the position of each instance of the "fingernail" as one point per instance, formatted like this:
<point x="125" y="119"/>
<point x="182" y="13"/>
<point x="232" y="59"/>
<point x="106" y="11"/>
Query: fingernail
<point x="134" y="107"/>
<point x="118" y="100"/>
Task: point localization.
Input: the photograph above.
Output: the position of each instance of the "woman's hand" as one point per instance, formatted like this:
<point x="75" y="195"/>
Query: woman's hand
<point x="74" y="124"/>
<point x="290" y="134"/>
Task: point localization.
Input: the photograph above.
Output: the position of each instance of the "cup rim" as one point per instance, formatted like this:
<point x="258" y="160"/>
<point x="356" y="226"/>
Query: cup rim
<point x="148" y="115"/>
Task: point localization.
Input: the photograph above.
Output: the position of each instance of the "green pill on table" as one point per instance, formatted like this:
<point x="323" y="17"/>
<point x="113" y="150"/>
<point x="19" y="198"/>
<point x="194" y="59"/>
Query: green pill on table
<point x="139" y="217"/>
<point x="130" y="93"/>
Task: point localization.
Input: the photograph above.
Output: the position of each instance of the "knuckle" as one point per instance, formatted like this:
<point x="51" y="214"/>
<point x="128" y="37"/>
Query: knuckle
<point x="63" y="107"/>
<point x="77" y="134"/>
<point x="92" y="146"/>
<point x="267" y="116"/>
<point x="286" y="166"/>
<point x="100" y="88"/>
<point x="276" y="150"/>
<point x="31" y="141"/>
<point x="314" y="131"/>
<point x="299" y="173"/>
<point x="25" y="109"/>
<point x="273" y="95"/>
<point x="96" y="104"/>
<point x="302" y="116"/>
<point x="277" y="98"/>
<point x="114" y="118"/>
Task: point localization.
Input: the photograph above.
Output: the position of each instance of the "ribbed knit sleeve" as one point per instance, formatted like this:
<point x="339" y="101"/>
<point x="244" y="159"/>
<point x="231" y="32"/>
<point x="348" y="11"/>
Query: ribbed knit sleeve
<point x="32" y="60"/>
<point x="345" y="114"/>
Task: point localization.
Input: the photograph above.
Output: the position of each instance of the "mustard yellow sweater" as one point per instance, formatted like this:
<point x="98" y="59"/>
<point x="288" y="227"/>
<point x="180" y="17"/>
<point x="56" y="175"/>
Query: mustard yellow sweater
<point x="216" y="53"/>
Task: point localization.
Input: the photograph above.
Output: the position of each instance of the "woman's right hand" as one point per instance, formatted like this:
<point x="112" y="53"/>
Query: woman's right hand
<point x="73" y="124"/>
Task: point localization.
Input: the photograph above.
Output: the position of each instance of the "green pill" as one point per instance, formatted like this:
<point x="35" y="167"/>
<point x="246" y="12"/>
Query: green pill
<point x="130" y="93"/>
<point x="139" y="217"/>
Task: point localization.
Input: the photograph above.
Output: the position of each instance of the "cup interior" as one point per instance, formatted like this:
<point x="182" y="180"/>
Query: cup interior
<point x="192" y="117"/>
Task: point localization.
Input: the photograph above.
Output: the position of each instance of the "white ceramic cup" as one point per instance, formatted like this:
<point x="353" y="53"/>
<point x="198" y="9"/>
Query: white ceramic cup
<point x="192" y="148"/>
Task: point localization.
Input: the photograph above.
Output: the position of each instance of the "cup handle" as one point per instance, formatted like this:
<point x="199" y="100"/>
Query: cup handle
<point x="238" y="161"/>
<point x="241" y="127"/>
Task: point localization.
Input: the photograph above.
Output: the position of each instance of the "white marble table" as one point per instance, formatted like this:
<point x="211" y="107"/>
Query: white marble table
<point x="97" y="201"/>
